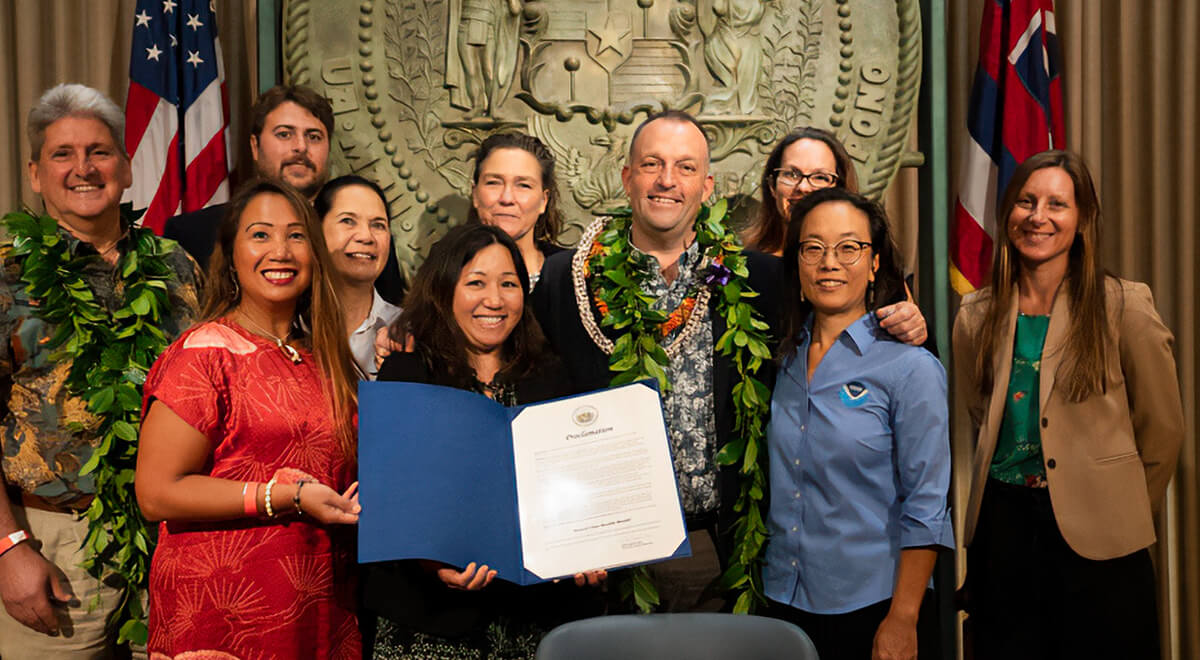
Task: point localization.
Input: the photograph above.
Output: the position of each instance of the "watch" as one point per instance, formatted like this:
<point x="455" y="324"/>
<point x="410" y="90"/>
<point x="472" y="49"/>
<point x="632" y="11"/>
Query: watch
<point x="8" y="542"/>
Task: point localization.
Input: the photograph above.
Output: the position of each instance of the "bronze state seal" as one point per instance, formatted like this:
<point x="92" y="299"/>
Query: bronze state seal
<point x="416" y="86"/>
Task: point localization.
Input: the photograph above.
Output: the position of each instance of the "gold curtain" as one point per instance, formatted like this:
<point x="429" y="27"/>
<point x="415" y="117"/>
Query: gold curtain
<point x="46" y="42"/>
<point x="1130" y="95"/>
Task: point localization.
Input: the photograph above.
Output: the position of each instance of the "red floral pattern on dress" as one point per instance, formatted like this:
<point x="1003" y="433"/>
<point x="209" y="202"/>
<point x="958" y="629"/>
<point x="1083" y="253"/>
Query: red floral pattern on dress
<point x="252" y="589"/>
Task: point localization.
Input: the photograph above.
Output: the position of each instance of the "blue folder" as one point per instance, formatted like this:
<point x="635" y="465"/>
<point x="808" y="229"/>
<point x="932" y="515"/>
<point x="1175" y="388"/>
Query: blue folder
<point x="436" y="478"/>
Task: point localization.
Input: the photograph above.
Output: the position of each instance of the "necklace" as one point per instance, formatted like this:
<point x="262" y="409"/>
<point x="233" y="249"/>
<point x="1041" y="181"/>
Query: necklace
<point x="288" y="350"/>
<point x="604" y="272"/>
<point x="581" y="272"/>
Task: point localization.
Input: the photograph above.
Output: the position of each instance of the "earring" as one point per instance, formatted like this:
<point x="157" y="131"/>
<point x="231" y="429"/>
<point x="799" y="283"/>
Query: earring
<point x="870" y="294"/>
<point x="237" y="290"/>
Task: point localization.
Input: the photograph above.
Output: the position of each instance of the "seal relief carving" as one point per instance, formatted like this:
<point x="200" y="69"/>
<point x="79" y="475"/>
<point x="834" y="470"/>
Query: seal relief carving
<point x="417" y="85"/>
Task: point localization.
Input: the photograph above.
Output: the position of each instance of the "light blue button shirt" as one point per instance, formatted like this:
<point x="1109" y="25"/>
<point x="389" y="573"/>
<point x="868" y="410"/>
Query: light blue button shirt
<point x="860" y="468"/>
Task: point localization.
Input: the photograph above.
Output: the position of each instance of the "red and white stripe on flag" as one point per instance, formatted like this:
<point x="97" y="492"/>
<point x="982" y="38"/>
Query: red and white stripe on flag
<point x="1014" y="113"/>
<point x="177" y="111"/>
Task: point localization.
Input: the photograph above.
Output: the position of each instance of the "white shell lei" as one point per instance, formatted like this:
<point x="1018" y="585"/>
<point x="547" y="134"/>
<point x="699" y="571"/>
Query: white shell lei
<point x="583" y="301"/>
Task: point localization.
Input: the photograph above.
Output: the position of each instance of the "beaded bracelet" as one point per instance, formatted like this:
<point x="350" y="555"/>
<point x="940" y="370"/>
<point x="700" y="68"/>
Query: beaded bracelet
<point x="296" y="497"/>
<point x="267" y="501"/>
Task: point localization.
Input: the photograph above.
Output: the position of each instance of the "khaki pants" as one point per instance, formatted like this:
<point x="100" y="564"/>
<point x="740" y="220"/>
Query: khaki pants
<point x="82" y="634"/>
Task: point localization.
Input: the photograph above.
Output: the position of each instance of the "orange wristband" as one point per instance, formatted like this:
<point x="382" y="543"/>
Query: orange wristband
<point x="9" y="542"/>
<point x="250" y="498"/>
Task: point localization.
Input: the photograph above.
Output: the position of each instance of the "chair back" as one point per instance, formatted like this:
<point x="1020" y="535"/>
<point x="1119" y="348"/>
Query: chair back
<point x="694" y="636"/>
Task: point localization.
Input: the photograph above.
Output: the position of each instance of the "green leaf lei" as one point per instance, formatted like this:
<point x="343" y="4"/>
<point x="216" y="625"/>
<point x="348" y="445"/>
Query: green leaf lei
<point x="616" y="285"/>
<point x="110" y="352"/>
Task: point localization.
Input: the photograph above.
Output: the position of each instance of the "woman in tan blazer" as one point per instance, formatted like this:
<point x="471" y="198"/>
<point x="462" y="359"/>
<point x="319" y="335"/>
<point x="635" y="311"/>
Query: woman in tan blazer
<point x="1067" y="376"/>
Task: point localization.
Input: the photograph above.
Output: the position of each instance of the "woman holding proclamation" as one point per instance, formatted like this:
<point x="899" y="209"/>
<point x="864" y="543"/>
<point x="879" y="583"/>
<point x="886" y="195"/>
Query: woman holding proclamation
<point x="247" y="450"/>
<point x="1067" y="376"/>
<point x="858" y="444"/>
<point x="471" y="329"/>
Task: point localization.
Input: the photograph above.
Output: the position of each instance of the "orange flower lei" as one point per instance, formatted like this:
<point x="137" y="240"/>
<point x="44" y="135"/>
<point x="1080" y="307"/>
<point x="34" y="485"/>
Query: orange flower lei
<point x="675" y="319"/>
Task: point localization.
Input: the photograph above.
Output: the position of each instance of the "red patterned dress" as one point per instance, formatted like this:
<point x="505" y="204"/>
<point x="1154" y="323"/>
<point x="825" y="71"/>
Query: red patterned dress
<point x="252" y="588"/>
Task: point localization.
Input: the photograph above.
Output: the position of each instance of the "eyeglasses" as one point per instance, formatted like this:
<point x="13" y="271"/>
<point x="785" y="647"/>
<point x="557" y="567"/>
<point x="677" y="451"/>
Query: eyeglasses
<point x="791" y="178"/>
<point x="847" y="251"/>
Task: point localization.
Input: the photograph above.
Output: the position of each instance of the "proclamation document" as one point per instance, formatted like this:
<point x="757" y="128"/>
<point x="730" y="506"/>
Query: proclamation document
<point x="536" y="492"/>
<point x="595" y="483"/>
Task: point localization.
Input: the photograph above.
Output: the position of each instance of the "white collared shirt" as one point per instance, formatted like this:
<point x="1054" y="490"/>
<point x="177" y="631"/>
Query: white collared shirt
<point x="362" y="340"/>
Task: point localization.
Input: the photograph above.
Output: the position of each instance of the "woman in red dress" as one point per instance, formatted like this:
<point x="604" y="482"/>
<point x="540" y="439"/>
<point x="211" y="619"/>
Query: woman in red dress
<point x="247" y="451"/>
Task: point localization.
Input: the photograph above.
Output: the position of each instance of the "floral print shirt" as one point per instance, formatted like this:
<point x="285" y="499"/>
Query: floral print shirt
<point x="689" y="406"/>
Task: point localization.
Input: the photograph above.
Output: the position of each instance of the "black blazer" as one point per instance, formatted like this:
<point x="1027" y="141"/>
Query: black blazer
<point x="196" y="232"/>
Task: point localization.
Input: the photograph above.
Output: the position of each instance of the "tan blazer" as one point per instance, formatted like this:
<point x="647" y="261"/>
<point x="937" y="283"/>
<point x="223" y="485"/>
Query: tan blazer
<point x="1108" y="459"/>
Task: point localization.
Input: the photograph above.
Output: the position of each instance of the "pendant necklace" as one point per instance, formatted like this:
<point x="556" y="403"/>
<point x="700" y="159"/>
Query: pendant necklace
<point x="287" y="349"/>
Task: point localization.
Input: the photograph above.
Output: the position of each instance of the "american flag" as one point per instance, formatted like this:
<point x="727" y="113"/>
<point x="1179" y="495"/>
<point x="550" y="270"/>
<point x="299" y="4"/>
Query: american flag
<point x="1015" y="112"/>
<point x="177" y="113"/>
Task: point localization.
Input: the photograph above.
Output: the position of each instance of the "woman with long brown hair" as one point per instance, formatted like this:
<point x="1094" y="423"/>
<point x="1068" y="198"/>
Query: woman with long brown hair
<point x="1067" y="376"/>
<point x="805" y="160"/>
<point x="247" y="449"/>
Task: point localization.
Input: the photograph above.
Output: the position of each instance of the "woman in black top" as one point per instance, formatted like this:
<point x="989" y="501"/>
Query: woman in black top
<point x="471" y="329"/>
<point x="514" y="188"/>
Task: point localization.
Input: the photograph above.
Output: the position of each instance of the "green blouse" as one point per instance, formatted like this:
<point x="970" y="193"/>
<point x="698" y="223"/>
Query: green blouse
<point x="1018" y="456"/>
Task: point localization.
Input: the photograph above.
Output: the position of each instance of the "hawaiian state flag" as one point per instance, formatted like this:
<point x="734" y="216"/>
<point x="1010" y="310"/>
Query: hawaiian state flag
<point x="177" y="113"/>
<point x="1015" y="112"/>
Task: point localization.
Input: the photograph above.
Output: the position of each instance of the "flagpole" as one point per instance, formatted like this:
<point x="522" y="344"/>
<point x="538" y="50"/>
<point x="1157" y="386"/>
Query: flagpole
<point x="933" y="251"/>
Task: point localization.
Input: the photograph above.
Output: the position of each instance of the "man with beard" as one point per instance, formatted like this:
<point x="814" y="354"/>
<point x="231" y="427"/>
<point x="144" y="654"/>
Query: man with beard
<point x="289" y="141"/>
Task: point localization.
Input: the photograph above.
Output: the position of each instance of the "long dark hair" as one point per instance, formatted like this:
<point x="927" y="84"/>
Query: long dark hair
<point x="889" y="277"/>
<point x="428" y="315"/>
<point x="549" y="223"/>
<point x="768" y="232"/>
<point x="318" y="309"/>
<point x="1088" y="340"/>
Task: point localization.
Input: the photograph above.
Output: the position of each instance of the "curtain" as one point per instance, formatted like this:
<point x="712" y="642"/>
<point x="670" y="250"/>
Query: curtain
<point x="1130" y="95"/>
<point x="46" y="42"/>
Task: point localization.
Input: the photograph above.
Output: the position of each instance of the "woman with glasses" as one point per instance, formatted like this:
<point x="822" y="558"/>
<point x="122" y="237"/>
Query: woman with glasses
<point x="1067" y="376"/>
<point x="805" y="160"/>
<point x="858" y="442"/>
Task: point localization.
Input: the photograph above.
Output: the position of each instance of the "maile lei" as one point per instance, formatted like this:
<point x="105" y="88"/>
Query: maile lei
<point x="110" y="352"/>
<point x="606" y="275"/>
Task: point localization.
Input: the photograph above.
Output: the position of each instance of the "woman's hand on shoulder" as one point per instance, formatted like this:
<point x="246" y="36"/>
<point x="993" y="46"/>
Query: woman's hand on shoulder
<point x="471" y="578"/>
<point x="327" y="506"/>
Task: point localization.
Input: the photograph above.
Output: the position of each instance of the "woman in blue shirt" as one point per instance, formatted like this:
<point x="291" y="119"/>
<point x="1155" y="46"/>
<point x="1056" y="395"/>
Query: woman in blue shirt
<point x="858" y="442"/>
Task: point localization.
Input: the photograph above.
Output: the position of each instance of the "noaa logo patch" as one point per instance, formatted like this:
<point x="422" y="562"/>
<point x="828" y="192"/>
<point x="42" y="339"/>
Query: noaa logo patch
<point x="853" y="394"/>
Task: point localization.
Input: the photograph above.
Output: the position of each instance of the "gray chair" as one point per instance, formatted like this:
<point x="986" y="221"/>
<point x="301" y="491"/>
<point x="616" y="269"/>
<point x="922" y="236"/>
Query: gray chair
<point x="666" y="636"/>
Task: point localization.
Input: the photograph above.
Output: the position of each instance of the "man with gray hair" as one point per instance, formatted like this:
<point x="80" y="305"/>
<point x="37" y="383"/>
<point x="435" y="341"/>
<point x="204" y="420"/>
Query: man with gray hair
<point x="49" y="430"/>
